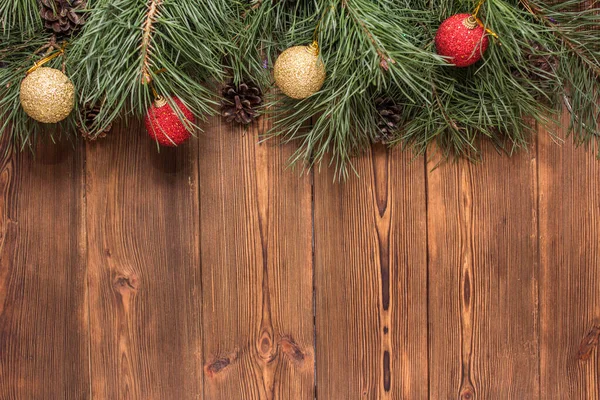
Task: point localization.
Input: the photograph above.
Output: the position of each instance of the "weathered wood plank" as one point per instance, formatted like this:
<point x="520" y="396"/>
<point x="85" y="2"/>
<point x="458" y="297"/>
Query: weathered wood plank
<point x="371" y="280"/>
<point x="256" y="268"/>
<point x="483" y="278"/>
<point x="570" y="270"/>
<point x="43" y="310"/>
<point x="144" y="274"/>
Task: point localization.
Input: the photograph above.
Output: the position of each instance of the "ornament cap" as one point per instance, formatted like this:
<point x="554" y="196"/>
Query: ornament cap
<point x="160" y="102"/>
<point x="313" y="48"/>
<point x="470" y="22"/>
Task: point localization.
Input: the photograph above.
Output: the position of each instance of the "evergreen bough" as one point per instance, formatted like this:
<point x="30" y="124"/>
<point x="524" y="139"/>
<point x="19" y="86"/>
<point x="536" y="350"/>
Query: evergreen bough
<point x="371" y="48"/>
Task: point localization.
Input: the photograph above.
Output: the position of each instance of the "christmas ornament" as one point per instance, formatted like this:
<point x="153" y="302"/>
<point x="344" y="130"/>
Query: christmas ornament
<point x="163" y="123"/>
<point x="86" y="123"/>
<point x="299" y="72"/>
<point x="461" y="39"/>
<point x="47" y="95"/>
<point x="62" y="16"/>
<point x="239" y="103"/>
<point x="389" y="116"/>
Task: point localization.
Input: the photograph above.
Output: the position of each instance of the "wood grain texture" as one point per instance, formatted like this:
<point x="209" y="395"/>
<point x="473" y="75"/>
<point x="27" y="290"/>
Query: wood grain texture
<point x="371" y="280"/>
<point x="143" y="262"/>
<point x="256" y="220"/>
<point x="43" y="309"/>
<point x="570" y="270"/>
<point x="196" y="274"/>
<point x="483" y="274"/>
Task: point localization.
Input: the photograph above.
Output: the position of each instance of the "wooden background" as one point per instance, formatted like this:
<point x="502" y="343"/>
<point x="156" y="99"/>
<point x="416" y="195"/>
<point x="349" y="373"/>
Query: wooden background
<point x="213" y="272"/>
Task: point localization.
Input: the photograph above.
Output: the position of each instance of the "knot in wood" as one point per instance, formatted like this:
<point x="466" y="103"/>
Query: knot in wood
<point x="467" y="394"/>
<point x="266" y="350"/>
<point x="291" y="350"/>
<point x="216" y="366"/>
<point x="588" y="344"/>
<point x="125" y="283"/>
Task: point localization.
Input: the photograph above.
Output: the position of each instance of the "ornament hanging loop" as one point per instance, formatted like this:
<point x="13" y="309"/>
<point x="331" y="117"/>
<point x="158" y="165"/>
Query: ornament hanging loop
<point x="474" y="20"/>
<point x="47" y="59"/>
<point x="159" y="101"/>
<point x="314" y="46"/>
<point x="477" y="8"/>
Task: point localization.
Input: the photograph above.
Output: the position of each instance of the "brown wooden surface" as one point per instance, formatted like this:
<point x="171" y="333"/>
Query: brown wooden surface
<point x="257" y="273"/>
<point x="213" y="272"/>
<point x="483" y="278"/>
<point x="143" y="269"/>
<point x="44" y="333"/>
<point x="371" y="280"/>
<point x="569" y="205"/>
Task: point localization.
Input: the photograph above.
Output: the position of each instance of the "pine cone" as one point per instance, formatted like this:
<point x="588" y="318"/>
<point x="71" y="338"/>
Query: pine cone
<point x="86" y="123"/>
<point x="62" y="16"/>
<point x="239" y="103"/>
<point x="541" y="62"/>
<point x="540" y="66"/>
<point x="390" y="115"/>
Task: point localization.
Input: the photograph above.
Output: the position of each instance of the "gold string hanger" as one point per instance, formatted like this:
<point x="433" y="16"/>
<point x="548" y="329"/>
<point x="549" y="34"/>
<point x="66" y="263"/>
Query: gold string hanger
<point x="48" y="58"/>
<point x="158" y="99"/>
<point x="480" y="23"/>
<point x="476" y="11"/>
<point x="314" y="46"/>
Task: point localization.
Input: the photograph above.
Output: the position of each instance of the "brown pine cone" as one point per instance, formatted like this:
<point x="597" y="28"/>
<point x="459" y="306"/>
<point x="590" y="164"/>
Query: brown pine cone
<point x="541" y="62"/>
<point x="240" y="103"/>
<point x="539" y="69"/>
<point x="390" y="115"/>
<point x="62" y="16"/>
<point x="86" y="124"/>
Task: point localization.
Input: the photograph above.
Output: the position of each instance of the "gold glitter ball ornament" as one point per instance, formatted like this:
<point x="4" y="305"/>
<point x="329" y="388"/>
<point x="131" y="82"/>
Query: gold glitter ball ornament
<point x="299" y="72"/>
<point x="47" y="95"/>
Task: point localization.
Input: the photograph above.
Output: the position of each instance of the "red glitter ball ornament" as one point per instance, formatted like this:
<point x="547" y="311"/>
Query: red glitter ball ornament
<point x="462" y="39"/>
<point x="163" y="123"/>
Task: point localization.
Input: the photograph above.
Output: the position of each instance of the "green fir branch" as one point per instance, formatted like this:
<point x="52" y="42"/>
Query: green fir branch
<point x="19" y="17"/>
<point x="179" y="46"/>
<point x="547" y="57"/>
